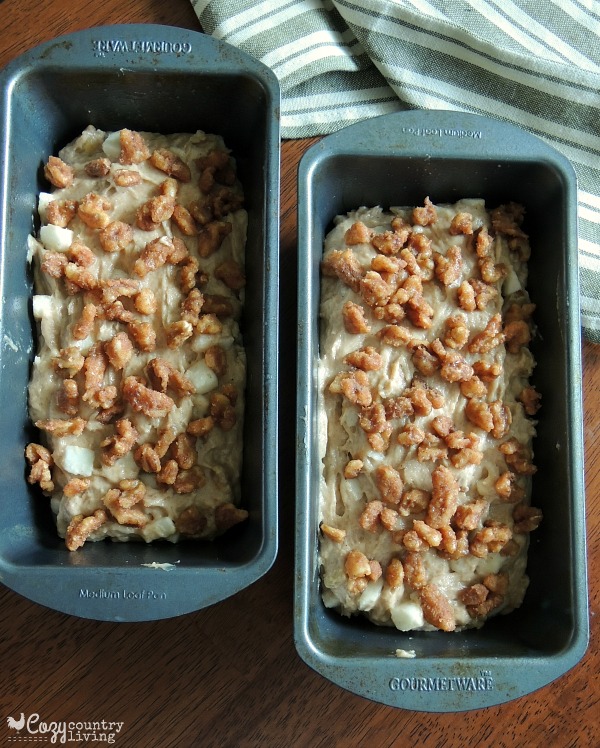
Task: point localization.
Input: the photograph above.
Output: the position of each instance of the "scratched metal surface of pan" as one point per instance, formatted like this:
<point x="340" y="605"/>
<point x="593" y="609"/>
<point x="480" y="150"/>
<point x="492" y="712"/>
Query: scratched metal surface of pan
<point x="162" y="79"/>
<point x="397" y="160"/>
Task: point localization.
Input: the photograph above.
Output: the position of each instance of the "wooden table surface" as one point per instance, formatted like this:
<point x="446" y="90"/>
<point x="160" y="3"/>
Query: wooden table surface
<point x="229" y="675"/>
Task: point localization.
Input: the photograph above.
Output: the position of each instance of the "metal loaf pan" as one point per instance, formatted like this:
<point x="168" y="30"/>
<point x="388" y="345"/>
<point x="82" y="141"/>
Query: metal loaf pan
<point x="162" y="79"/>
<point x="399" y="159"/>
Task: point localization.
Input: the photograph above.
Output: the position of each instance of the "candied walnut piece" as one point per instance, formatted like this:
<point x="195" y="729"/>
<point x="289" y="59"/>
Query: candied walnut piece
<point x="85" y="324"/>
<point x="356" y="565"/>
<point x="501" y="417"/>
<point x="212" y="236"/>
<point x="178" y="332"/>
<point x="367" y="359"/>
<point x="473" y="387"/>
<point x="98" y="167"/>
<point x="444" y="498"/>
<point x="413" y="501"/>
<point x="466" y="297"/>
<point x="69" y="361"/>
<point x="121" y="503"/>
<point x="517" y="457"/>
<point x="507" y="219"/>
<point x="527" y="518"/>
<point x="410" y="435"/>
<point x="479" y="414"/>
<point x="40" y="461"/>
<point x="145" y="400"/>
<point x="68" y="397"/>
<point x="426" y="215"/>
<point x="424" y="361"/>
<point x="201" y="427"/>
<point x="344" y="265"/>
<point x="469" y="516"/>
<point x="358" y="233"/>
<point x="54" y="264"/>
<point x="116" y="236"/>
<point x="76" y="486"/>
<point x="394" y="573"/>
<point x="188" y="274"/>
<point x="232" y="275"/>
<point x="183" y="451"/>
<point x="61" y="212"/>
<point x="127" y="177"/>
<point x="227" y="515"/>
<point x="516" y="334"/>
<point x="62" y="427"/>
<point x="188" y="481"/>
<point x="184" y="220"/>
<point x="429" y="535"/>
<point x="388" y="242"/>
<point x="119" y="350"/>
<point x="352" y="469"/>
<point x="215" y="304"/>
<point x="354" y="386"/>
<point x="191" y="521"/>
<point x="333" y="533"/>
<point x="415" y="573"/>
<point x="448" y="267"/>
<point x="530" y="398"/>
<point x="489" y="539"/>
<point x="168" y="473"/>
<point x="437" y="609"/>
<point x="454" y="367"/>
<point x="191" y="306"/>
<point x="93" y="210"/>
<point x="133" y="147"/>
<point x="120" y="443"/>
<point x="80" y="528"/>
<point x="369" y="518"/>
<point x="155" y="254"/>
<point x="58" y="173"/>
<point x="395" y="335"/>
<point x="78" y="279"/>
<point x="456" y="332"/>
<point x="374" y="289"/>
<point x="215" y="358"/>
<point x="389" y="483"/>
<point x="171" y="164"/>
<point x="222" y="411"/>
<point x="419" y="311"/>
<point x="147" y="459"/>
<point x="489" y="338"/>
<point x="164" y="375"/>
<point x="461" y="223"/>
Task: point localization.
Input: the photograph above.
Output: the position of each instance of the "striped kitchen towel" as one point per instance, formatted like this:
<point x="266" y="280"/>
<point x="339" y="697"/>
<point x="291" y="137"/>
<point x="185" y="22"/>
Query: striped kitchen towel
<point x="535" y="64"/>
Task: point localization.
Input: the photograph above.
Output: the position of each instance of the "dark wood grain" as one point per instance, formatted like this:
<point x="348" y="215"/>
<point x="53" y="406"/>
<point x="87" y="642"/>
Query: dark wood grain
<point x="229" y="676"/>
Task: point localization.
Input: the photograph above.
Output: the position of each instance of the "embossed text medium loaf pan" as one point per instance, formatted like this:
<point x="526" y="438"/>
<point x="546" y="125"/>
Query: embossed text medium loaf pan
<point x="162" y="79"/>
<point x="398" y="160"/>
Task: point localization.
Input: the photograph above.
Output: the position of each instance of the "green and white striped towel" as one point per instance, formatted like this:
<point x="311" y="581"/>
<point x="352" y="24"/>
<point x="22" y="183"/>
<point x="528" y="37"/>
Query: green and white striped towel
<point x="535" y="64"/>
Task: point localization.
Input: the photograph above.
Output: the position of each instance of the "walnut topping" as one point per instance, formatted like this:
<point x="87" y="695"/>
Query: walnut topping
<point x="40" y="461"/>
<point x="530" y="399"/>
<point x="93" y="210"/>
<point x="354" y="386"/>
<point x="444" y="498"/>
<point x="80" y="528"/>
<point x="116" y="236"/>
<point x="469" y="516"/>
<point x="425" y="216"/>
<point x="67" y="399"/>
<point x="61" y="212"/>
<point x="58" y="173"/>
<point x="333" y="533"/>
<point x="232" y="275"/>
<point x="518" y="457"/>
<point x="367" y="359"/>
<point x="133" y="147"/>
<point x="526" y="518"/>
<point x="85" y="324"/>
<point x="369" y="519"/>
<point x="145" y="400"/>
<point x="127" y="177"/>
<point x="98" y="167"/>
<point x="62" y="427"/>
<point x="119" y="350"/>
<point x="389" y="483"/>
<point x="358" y="233"/>
<point x="354" y="318"/>
<point x="122" y="503"/>
<point x="191" y="522"/>
<point x="462" y="223"/>
<point x="489" y="338"/>
<point x="394" y="573"/>
<point x="163" y="375"/>
<point x="489" y="539"/>
<point x="343" y="265"/>
<point x="120" y="443"/>
<point x="437" y="609"/>
<point x="448" y="267"/>
<point x="415" y="574"/>
<point x="211" y="236"/>
<point x="167" y="161"/>
<point x="222" y="410"/>
<point x="227" y="515"/>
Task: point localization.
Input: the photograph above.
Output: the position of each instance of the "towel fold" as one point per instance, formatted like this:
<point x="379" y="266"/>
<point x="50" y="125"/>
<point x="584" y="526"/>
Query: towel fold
<point x="536" y="65"/>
